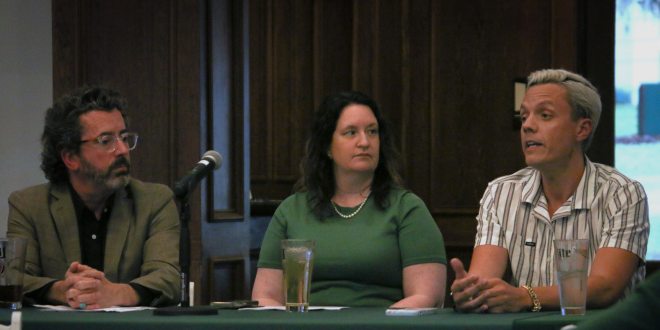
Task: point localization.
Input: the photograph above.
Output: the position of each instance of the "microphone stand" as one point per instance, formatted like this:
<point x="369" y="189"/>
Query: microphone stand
<point x="184" y="263"/>
<point x="184" y="251"/>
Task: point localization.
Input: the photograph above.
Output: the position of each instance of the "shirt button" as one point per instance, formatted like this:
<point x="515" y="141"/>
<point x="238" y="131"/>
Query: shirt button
<point x="93" y="236"/>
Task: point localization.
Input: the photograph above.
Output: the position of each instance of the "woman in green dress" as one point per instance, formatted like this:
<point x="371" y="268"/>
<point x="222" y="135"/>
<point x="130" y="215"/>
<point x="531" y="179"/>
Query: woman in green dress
<point x="376" y="243"/>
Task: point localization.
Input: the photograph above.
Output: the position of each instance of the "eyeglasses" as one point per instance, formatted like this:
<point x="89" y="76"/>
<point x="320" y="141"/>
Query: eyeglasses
<point x="109" y="142"/>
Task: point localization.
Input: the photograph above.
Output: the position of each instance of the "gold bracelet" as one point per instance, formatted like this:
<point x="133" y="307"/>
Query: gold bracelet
<point x="535" y="299"/>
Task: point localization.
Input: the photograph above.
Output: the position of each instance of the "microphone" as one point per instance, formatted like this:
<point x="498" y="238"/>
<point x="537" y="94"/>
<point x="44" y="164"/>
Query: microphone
<point x="210" y="162"/>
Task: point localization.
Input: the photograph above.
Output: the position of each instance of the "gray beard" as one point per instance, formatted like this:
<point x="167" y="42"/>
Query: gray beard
<point x="107" y="179"/>
<point x="117" y="183"/>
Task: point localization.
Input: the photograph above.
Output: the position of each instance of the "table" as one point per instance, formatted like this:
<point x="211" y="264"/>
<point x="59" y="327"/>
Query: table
<point x="352" y="318"/>
<point x="552" y="321"/>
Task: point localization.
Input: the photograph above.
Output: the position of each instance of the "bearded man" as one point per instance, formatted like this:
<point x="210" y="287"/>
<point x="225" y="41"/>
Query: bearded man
<point x="96" y="237"/>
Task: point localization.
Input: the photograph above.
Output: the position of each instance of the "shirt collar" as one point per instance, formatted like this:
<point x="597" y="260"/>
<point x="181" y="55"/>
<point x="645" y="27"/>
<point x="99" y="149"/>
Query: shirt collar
<point x="586" y="191"/>
<point x="531" y="192"/>
<point x="79" y="205"/>
<point x="582" y="198"/>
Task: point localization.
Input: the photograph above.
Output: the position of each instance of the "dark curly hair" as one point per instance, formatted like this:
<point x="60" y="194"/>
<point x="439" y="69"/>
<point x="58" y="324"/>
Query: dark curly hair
<point x="318" y="177"/>
<point x="63" y="130"/>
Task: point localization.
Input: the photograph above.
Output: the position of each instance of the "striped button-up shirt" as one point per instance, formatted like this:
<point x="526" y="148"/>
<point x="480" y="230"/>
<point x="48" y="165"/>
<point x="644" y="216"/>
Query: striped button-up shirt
<point x="607" y="208"/>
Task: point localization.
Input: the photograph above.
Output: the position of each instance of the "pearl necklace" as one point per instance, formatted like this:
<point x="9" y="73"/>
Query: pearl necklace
<point x="352" y="214"/>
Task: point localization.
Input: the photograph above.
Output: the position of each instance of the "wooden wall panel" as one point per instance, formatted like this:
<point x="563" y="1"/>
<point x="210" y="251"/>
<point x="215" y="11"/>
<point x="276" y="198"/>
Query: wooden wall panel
<point x="259" y="55"/>
<point x="225" y="234"/>
<point x="333" y="47"/>
<point x="227" y="272"/>
<point x="441" y="71"/>
<point x="302" y="98"/>
<point x="67" y="47"/>
<point x="104" y="36"/>
<point x="564" y="39"/>
<point x="364" y="30"/>
<point x="478" y="51"/>
<point x="281" y="112"/>
<point x="291" y="96"/>
<point x="418" y="65"/>
<point x="287" y="100"/>
<point x="597" y="64"/>
<point x="388" y="72"/>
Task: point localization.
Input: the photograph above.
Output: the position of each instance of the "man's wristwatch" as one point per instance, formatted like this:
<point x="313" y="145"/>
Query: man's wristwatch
<point x="535" y="300"/>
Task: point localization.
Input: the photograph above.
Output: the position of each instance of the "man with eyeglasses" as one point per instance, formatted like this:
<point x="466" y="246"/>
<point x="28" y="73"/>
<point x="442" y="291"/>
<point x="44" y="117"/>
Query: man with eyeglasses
<point x="96" y="237"/>
<point x="561" y="195"/>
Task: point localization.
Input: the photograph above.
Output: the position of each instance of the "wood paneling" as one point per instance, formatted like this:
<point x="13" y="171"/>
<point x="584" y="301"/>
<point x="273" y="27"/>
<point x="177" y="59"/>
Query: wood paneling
<point x="225" y="86"/>
<point x="332" y="48"/>
<point x="596" y="45"/>
<point x="441" y="70"/>
<point x="291" y="98"/>
<point x="417" y="77"/>
<point x="259" y="89"/>
<point x="565" y="22"/>
<point x="227" y="278"/>
<point x="477" y="51"/>
<point x="225" y="236"/>
<point x="67" y="47"/>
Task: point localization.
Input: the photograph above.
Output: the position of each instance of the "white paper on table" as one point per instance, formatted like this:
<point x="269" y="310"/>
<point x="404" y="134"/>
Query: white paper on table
<point x="281" y="308"/>
<point x="118" y="309"/>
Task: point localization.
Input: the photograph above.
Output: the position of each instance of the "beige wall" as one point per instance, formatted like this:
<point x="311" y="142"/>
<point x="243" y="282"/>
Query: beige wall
<point x="26" y="89"/>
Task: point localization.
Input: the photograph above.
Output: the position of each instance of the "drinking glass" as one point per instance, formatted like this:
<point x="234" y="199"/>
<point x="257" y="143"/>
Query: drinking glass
<point x="571" y="262"/>
<point x="12" y="269"/>
<point x="297" y="264"/>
